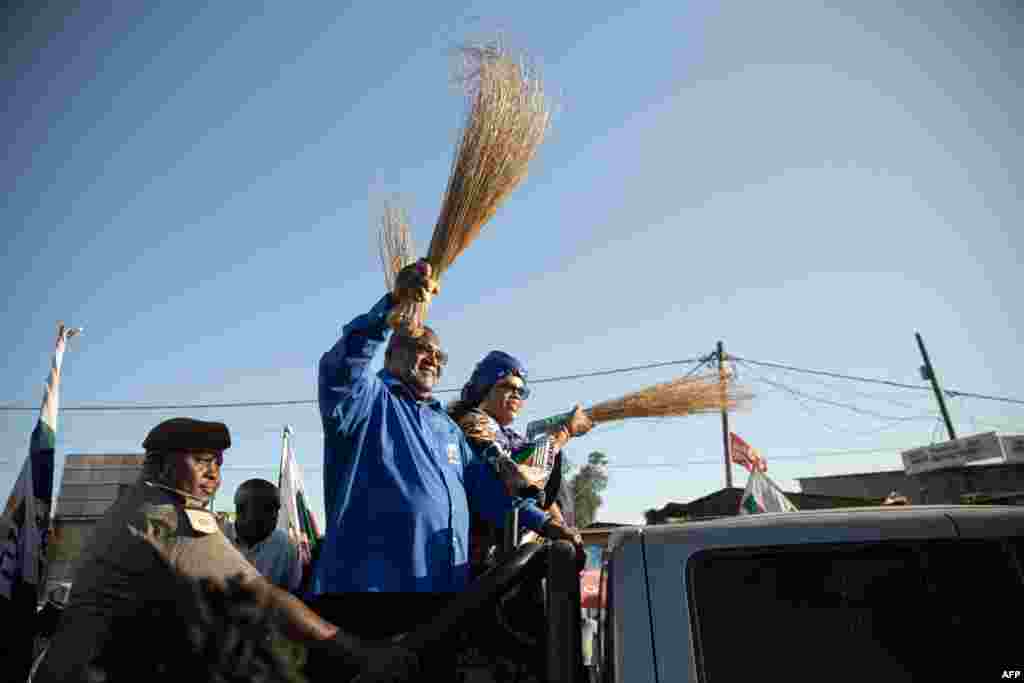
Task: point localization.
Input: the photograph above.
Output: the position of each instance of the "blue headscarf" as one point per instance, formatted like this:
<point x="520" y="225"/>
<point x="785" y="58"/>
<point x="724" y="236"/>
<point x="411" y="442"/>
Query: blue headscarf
<point x="496" y="365"/>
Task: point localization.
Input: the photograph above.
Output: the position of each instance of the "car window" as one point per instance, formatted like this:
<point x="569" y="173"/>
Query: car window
<point x="892" y="611"/>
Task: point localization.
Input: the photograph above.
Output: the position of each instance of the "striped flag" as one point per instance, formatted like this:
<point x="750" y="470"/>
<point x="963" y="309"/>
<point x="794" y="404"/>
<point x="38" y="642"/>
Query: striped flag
<point x="26" y="518"/>
<point x="295" y="518"/>
<point x="763" y="495"/>
<point x="745" y="455"/>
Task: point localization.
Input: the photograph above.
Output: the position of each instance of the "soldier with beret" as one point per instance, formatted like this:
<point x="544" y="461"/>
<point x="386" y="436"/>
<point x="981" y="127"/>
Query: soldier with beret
<point x="166" y="510"/>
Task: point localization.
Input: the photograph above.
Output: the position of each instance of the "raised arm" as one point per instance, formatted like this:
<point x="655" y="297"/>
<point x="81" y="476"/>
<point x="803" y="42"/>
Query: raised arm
<point x="344" y="374"/>
<point x="345" y="368"/>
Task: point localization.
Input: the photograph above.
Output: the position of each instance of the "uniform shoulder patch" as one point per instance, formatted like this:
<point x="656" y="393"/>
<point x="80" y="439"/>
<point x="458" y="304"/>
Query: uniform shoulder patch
<point x="202" y="522"/>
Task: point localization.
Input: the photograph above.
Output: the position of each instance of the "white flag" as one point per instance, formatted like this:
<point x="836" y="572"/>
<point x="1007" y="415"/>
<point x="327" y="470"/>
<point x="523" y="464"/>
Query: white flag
<point x="763" y="495"/>
<point x="26" y="517"/>
<point x="295" y="517"/>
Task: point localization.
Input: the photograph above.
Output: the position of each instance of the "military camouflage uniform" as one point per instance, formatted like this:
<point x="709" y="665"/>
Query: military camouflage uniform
<point x="116" y="569"/>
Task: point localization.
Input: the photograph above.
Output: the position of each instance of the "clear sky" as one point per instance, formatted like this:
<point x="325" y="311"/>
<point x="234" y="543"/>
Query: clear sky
<point x="809" y="182"/>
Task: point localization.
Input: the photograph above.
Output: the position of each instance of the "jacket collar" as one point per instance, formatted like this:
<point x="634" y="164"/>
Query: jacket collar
<point x="396" y="384"/>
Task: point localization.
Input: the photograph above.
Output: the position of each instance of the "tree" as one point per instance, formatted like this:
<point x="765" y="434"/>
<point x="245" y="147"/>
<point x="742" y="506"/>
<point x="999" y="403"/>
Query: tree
<point x="587" y="486"/>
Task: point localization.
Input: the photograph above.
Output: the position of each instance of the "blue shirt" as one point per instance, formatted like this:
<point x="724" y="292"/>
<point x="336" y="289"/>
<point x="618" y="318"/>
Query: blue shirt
<point x="400" y="480"/>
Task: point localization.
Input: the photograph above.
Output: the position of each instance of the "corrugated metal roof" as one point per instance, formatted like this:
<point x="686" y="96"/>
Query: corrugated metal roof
<point x="91" y="483"/>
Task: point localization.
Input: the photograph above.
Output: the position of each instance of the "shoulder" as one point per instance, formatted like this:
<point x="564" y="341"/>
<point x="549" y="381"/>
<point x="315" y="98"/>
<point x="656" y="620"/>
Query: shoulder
<point x="209" y="555"/>
<point x="121" y="550"/>
<point x="155" y="512"/>
<point x="478" y="426"/>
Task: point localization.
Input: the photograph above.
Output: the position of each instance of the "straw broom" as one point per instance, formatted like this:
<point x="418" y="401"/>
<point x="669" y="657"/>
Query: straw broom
<point x="506" y="121"/>
<point x="676" y="398"/>
<point x="394" y="243"/>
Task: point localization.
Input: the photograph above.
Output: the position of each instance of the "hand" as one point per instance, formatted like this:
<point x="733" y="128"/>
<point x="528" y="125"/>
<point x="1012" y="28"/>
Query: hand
<point x="553" y="531"/>
<point x="414" y="283"/>
<point x="478" y="427"/>
<point x="579" y="423"/>
<point x="380" y="663"/>
<point x="516" y="483"/>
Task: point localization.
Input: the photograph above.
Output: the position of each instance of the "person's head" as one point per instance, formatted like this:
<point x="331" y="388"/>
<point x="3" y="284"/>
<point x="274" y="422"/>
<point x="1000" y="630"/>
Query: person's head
<point x="186" y="455"/>
<point x="497" y="386"/>
<point x="256" y="508"/>
<point x="417" y="361"/>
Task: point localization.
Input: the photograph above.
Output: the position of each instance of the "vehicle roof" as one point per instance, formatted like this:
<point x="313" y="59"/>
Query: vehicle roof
<point x="901" y="516"/>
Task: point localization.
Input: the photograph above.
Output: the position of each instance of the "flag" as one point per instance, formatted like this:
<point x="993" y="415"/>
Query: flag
<point x="745" y="455"/>
<point x="763" y="495"/>
<point x="25" y="523"/>
<point x="295" y="518"/>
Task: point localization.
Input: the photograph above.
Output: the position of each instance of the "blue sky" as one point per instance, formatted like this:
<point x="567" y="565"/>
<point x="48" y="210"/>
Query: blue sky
<point x="810" y="183"/>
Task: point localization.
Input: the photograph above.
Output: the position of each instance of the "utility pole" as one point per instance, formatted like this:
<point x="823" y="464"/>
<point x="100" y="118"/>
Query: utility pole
<point x="725" y="416"/>
<point x="928" y="372"/>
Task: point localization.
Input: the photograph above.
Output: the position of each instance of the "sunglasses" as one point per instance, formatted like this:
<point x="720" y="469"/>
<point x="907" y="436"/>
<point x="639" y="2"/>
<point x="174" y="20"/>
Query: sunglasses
<point x="522" y="393"/>
<point x="426" y="349"/>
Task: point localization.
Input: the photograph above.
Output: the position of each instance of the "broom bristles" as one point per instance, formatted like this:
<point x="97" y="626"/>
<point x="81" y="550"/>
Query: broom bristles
<point x="395" y="244"/>
<point x="683" y="396"/>
<point x="506" y="121"/>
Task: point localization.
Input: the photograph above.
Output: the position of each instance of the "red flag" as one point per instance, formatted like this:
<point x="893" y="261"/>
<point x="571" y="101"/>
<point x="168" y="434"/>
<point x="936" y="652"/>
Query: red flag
<point x="745" y="455"/>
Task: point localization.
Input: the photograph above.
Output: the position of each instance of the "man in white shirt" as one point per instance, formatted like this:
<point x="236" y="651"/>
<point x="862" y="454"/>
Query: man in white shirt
<point x="258" y="537"/>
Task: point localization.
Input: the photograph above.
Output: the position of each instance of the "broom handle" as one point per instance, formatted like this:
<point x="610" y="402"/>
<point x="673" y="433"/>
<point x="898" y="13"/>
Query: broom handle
<point x="546" y="424"/>
<point x="549" y="424"/>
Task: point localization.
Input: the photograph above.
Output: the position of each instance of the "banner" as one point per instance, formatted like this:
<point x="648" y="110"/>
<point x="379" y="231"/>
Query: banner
<point x="26" y="518"/>
<point x="763" y="495"/>
<point x="295" y="517"/>
<point x="745" y="455"/>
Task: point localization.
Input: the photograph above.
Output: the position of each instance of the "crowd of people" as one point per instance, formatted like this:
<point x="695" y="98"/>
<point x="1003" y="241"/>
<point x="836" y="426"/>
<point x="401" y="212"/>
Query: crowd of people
<point x="417" y="495"/>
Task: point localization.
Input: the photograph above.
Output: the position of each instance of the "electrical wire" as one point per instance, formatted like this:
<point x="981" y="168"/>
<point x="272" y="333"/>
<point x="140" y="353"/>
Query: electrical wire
<point x="295" y="402"/>
<point x="703" y="360"/>
<point x="871" y="380"/>
<point x="852" y="408"/>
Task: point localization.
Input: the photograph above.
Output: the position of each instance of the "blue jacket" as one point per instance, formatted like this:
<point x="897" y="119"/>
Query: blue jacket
<point x="400" y="481"/>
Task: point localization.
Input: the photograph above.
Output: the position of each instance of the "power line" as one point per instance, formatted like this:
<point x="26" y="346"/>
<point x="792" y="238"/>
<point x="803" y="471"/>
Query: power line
<point x="872" y="380"/>
<point x="830" y="427"/>
<point x="295" y="402"/>
<point x="838" y="404"/>
<point x="967" y="394"/>
<point x="701" y="360"/>
<point x="836" y="375"/>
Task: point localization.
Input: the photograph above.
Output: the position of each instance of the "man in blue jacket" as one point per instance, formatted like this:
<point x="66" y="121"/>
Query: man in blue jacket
<point x="400" y="480"/>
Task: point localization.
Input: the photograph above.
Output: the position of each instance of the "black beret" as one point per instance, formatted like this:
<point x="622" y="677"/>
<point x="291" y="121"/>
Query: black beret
<point x="186" y="434"/>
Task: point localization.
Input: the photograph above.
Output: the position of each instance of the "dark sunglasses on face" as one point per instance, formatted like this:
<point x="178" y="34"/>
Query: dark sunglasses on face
<point x="522" y="393"/>
<point x="420" y="347"/>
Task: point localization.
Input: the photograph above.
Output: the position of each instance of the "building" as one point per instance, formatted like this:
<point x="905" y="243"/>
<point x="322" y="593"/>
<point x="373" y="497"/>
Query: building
<point x="726" y="503"/>
<point x="979" y="468"/>
<point x="999" y="482"/>
<point x="88" y="487"/>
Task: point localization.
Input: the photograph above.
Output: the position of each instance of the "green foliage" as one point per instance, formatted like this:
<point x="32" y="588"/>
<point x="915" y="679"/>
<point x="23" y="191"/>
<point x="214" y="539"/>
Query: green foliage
<point x="587" y="486"/>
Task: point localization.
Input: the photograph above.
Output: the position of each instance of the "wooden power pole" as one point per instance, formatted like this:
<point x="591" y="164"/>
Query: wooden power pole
<point x="725" y="415"/>
<point x="928" y="372"/>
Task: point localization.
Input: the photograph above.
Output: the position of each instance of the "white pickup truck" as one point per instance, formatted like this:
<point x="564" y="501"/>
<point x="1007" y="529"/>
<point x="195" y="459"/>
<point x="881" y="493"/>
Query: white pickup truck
<point x="913" y="593"/>
<point x="872" y="594"/>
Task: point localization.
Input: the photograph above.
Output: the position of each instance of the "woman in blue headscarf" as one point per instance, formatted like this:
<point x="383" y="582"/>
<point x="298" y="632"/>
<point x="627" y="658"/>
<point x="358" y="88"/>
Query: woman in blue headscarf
<point x="489" y="403"/>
